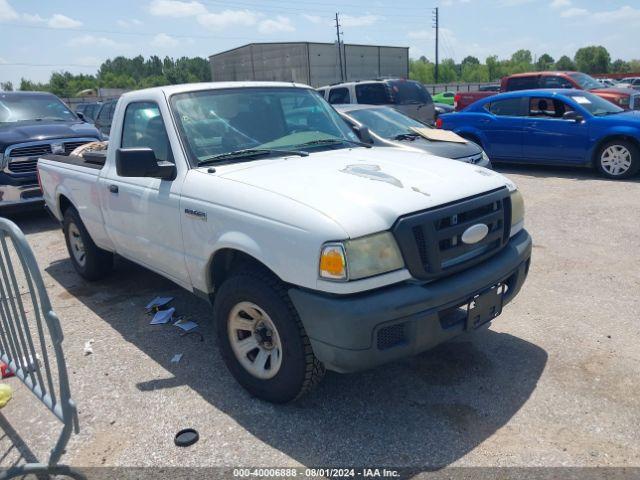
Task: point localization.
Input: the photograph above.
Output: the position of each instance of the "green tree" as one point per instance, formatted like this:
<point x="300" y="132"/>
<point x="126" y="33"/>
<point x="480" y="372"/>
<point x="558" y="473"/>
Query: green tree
<point x="421" y="71"/>
<point x="496" y="69"/>
<point x="565" y="63"/>
<point x="545" y="62"/>
<point x="6" y="86"/>
<point x="620" y="66"/>
<point x="29" y="86"/>
<point x="470" y="60"/>
<point x="593" y="59"/>
<point x="447" y="72"/>
<point x="634" y="66"/>
<point x="474" y="73"/>
<point x="522" y="56"/>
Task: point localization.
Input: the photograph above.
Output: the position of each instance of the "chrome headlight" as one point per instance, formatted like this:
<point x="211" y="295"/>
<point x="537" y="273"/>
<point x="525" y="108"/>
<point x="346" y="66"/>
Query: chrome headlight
<point x="360" y="258"/>
<point x="517" y="212"/>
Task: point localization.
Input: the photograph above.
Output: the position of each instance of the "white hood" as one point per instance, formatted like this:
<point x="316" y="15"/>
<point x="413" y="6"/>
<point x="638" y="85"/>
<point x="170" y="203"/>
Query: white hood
<point x="366" y="190"/>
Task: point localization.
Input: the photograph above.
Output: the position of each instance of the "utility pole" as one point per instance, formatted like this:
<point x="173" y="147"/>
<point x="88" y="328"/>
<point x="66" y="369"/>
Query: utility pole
<point x="339" y="47"/>
<point x="436" y="21"/>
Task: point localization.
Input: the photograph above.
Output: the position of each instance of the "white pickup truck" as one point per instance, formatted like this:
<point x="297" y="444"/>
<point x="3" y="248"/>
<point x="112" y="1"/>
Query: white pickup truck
<point x="316" y="251"/>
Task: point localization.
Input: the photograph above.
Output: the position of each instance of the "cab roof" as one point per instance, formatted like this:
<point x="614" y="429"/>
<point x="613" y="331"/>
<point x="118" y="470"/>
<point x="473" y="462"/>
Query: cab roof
<point x="196" y="87"/>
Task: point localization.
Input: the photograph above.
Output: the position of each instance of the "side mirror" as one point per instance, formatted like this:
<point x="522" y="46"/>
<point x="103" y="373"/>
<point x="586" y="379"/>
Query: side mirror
<point x="363" y="134"/>
<point x="142" y="162"/>
<point x="573" y="116"/>
<point x="81" y="116"/>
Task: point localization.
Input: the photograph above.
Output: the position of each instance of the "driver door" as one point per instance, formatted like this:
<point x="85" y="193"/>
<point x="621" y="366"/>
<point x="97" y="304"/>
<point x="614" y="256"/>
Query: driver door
<point x="142" y="214"/>
<point x="548" y="138"/>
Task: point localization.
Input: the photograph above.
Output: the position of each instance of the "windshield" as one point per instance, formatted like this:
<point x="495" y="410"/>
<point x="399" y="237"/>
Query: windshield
<point x="409" y="92"/>
<point x="385" y="122"/>
<point x="21" y="108"/>
<point x="594" y="104"/>
<point x="585" y="81"/>
<point x="217" y="122"/>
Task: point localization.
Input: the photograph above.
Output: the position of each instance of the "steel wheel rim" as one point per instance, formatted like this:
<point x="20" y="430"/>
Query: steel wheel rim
<point x="255" y="340"/>
<point x="616" y="160"/>
<point x="77" y="245"/>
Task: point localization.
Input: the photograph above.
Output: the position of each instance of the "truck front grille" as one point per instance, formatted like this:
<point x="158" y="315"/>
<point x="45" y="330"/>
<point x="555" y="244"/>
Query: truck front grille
<point x="71" y="146"/>
<point x="31" y="150"/>
<point x="23" y="166"/>
<point x="23" y="158"/>
<point x="431" y="241"/>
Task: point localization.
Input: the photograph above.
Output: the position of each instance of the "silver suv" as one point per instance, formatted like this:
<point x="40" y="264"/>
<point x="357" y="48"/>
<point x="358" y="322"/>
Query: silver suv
<point x="406" y="96"/>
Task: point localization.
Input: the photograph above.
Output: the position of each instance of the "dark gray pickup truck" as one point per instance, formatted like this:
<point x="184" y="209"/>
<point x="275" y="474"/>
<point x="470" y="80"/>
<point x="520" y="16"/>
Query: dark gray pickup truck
<point x="33" y="124"/>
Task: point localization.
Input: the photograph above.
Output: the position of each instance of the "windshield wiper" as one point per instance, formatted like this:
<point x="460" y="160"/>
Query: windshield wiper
<point x="406" y="136"/>
<point x="250" y="153"/>
<point x="333" y="141"/>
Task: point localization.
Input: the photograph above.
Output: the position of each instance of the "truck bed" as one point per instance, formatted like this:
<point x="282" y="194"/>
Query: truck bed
<point x="95" y="160"/>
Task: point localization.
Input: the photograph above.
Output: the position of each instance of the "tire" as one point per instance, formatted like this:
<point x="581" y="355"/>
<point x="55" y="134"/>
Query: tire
<point x="91" y="262"/>
<point x="618" y="159"/>
<point x="258" y="298"/>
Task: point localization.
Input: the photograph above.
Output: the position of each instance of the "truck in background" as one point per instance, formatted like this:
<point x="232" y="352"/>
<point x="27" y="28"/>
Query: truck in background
<point x="626" y="98"/>
<point x="33" y="124"/>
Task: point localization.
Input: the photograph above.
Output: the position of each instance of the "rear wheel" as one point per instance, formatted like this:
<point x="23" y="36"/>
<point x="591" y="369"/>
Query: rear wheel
<point x="89" y="261"/>
<point x="262" y="340"/>
<point x="618" y="159"/>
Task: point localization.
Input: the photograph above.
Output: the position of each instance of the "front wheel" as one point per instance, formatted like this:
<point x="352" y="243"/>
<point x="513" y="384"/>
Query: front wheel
<point x="618" y="159"/>
<point x="262" y="340"/>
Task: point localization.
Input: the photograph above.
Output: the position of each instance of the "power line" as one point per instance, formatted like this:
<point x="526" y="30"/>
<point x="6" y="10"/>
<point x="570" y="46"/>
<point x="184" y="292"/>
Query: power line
<point x="437" y="26"/>
<point x="115" y="32"/>
<point x="22" y="64"/>
<point x="288" y="9"/>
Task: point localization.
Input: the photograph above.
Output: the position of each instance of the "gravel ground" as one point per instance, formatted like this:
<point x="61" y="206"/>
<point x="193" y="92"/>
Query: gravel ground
<point x="554" y="382"/>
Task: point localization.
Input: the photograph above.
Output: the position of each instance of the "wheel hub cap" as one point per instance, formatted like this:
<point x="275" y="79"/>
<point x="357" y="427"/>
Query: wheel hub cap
<point x="615" y="160"/>
<point x="77" y="245"/>
<point x="254" y="340"/>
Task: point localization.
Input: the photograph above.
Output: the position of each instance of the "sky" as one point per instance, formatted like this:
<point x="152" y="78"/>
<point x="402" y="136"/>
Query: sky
<point x="43" y="36"/>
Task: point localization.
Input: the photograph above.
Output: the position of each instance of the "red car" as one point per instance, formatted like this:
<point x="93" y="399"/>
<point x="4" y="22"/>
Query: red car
<point x="626" y="98"/>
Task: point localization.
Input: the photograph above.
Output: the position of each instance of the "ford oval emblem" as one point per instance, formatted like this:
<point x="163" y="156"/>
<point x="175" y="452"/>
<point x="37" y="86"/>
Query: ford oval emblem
<point x="475" y="233"/>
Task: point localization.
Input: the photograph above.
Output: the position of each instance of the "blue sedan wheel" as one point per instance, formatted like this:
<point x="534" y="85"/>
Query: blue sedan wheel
<point x="618" y="159"/>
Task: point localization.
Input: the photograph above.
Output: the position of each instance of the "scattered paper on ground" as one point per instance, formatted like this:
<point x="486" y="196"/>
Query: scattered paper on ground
<point x="163" y="316"/>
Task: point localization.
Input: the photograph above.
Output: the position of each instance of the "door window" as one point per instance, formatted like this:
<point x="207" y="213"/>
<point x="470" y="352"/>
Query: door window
<point x="143" y="127"/>
<point x="510" y="107"/>
<point x="339" y="95"/>
<point x="547" y="108"/>
<point x="554" y="81"/>
<point x="372" y="94"/>
<point x="522" y="83"/>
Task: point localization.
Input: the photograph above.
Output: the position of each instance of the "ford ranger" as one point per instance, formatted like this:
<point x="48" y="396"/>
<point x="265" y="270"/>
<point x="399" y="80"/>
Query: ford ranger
<point x="317" y="251"/>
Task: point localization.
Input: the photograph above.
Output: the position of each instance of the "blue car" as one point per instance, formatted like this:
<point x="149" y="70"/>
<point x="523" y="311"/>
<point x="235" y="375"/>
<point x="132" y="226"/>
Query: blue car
<point x="552" y="127"/>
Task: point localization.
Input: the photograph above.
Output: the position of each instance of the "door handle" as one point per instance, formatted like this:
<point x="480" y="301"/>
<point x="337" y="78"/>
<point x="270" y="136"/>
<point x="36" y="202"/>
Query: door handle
<point x="113" y="188"/>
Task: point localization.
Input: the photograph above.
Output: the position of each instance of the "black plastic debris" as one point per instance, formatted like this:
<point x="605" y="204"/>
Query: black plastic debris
<point x="186" y="437"/>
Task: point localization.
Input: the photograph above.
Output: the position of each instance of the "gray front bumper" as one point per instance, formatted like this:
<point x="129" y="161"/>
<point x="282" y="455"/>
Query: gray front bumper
<point x="15" y="196"/>
<point x="351" y="333"/>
